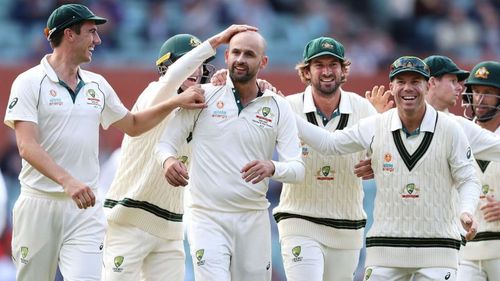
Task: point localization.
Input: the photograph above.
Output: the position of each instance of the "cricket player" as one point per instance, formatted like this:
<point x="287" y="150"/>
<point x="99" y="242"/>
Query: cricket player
<point x="144" y="239"/>
<point x="417" y="156"/>
<point x="480" y="258"/>
<point x="56" y="109"/>
<point x="232" y="145"/>
<point x="321" y="220"/>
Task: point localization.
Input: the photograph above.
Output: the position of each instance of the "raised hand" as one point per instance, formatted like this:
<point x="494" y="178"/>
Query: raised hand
<point x="175" y="172"/>
<point x="219" y="77"/>
<point x="192" y="98"/>
<point x="224" y="36"/>
<point x="257" y="170"/>
<point x="265" y="85"/>
<point x="380" y="99"/>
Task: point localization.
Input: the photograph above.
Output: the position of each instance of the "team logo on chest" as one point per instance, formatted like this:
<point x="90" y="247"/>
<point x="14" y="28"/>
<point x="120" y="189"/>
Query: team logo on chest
<point x="92" y="98"/>
<point x="410" y="191"/>
<point x="326" y="173"/>
<point x="264" y="117"/>
<point x="54" y="100"/>
<point x="184" y="159"/>
<point x="388" y="166"/>
<point x="219" y="112"/>
<point x="485" y="190"/>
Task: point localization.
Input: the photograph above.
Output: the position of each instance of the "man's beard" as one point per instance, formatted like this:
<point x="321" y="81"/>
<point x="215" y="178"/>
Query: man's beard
<point x="241" y="78"/>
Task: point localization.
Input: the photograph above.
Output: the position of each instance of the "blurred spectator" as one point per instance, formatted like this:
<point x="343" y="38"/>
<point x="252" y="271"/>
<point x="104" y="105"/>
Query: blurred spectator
<point x="458" y="35"/>
<point x="113" y="11"/>
<point x="31" y="12"/>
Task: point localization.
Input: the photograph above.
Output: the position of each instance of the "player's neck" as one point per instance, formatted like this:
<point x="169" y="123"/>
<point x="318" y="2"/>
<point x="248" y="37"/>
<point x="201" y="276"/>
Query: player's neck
<point x="327" y="104"/>
<point x="65" y="69"/>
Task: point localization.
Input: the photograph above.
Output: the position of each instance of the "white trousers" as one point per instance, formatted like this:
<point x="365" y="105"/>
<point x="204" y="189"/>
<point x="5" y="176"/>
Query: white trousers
<point x="131" y="254"/>
<point x="379" y="273"/>
<point x="50" y="230"/>
<point x="230" y="246"/>
<point x="483" y="270"/>
<point x="305" y="259"/>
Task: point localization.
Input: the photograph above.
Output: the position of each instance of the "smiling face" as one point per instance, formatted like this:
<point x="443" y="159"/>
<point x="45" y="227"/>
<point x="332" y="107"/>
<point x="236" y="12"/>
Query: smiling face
<point x="194" y="79"/>
<point x="245" y="56"/>
<point x="325" y="75"/>
<point x="85" y="42"/>
<point x="409" y="89"/>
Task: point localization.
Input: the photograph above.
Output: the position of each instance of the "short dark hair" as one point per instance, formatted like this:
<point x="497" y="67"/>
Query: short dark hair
<point x="56" y="39"/>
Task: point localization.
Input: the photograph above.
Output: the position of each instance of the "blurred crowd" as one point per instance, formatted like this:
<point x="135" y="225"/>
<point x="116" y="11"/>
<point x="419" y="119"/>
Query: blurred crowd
<point x="373" y="31"/>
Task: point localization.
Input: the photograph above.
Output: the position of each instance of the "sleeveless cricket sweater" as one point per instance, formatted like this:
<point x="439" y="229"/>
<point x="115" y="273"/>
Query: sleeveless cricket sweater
<point x="487" y="241"/>
<point x="328" y="204"/>
<point x="414" y="216"/>
<point x="140" y="195"/>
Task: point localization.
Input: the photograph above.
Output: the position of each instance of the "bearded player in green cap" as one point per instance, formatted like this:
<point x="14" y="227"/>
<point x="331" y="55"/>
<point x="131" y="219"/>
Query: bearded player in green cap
<point x="56" y="109"/>
<point x="480" y="258"/>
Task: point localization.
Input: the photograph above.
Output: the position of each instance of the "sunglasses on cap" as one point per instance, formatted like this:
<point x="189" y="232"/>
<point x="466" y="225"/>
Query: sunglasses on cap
<point x="409" y="64"/>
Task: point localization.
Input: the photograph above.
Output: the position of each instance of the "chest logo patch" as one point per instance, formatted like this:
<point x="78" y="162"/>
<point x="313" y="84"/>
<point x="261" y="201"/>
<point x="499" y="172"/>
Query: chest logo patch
<point x="410" y="191"/>
<point x="485" y="190"/>
<point x="219" y="112"/>
<point x="388" y="166"/>
<point x="92" y="98"/>
<point x="264" y="117"/>
<point x="54" y="99"/>
<point x="326" y="173"/>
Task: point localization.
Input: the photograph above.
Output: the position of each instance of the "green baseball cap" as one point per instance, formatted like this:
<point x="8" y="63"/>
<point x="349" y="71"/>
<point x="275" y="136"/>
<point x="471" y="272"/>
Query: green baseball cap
<point x="68" y="15"/>
<point x="175" y="47"/>
<point x="441" y="65"/>
<point x="486" y="73"/>
<point x="409" y="64"/>
<point x="323" y="46"/>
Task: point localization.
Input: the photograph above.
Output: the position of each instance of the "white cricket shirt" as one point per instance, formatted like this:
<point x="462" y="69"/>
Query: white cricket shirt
<point x="68" y="126"/>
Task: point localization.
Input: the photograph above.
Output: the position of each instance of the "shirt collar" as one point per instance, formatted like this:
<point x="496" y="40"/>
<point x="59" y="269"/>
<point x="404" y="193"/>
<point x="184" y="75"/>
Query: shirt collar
<point x="428" y="123"/>
<point x="345" y="105"/>
<point x="229" y="83"/>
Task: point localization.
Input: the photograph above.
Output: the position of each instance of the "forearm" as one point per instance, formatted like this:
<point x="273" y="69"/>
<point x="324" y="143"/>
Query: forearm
<point x="328" y="143"/>
<point x="469" y="193"/>
<point x="37" y="157"/>
<point x="135" y="124"/>
<point x="290" y="172"/>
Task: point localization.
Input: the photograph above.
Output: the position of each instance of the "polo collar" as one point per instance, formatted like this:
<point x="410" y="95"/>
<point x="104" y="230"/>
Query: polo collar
<point x="345" y="106"/>
<point x="428" y="123"/>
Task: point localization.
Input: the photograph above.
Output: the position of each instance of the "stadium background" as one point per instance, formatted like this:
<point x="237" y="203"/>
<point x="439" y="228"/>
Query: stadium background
<point x="374" y="33"/>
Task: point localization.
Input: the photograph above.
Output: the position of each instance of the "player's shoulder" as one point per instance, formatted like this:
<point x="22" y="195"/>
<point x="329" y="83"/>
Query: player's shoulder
<point x="295" y="98"/>
<point x="35" y="73"/>
<point x="211" y="90"/>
